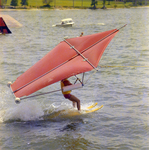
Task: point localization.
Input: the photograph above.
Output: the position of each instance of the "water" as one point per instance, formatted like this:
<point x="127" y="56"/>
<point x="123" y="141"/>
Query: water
<point x="121" y="84"/>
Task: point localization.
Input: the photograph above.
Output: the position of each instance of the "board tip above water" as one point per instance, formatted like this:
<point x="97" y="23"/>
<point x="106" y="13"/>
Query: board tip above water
<point x="10" y="21"/>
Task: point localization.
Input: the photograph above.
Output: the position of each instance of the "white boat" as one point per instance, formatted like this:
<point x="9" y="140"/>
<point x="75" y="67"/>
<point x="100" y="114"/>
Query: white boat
<point x="65" y="23"/>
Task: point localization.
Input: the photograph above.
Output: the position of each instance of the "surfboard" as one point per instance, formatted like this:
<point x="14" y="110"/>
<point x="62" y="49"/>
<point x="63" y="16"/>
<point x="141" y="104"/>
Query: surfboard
<point x="93" y="105"/>
<point x="93" y="110"/>
<point x="70" y="112"/>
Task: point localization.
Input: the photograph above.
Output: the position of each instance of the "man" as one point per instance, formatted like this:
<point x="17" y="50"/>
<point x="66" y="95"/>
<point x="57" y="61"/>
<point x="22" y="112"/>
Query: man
<point x="81" y="34"/>
<point x="69" y="96"/>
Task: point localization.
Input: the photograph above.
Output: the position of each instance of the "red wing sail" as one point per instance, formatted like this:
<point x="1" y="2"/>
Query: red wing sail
<point x="63" y="62"/>
<point x="3" y="27"/>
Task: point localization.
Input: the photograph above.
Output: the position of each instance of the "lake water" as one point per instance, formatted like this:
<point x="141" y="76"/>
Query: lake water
<point x="121" y="85"/>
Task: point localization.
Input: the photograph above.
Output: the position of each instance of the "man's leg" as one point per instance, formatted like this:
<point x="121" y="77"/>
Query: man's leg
<point x="75" y="99"/>
<point x="74" y="104"/>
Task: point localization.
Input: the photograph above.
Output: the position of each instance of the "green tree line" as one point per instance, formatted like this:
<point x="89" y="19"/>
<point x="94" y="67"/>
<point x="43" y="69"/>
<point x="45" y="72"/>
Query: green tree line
<point x="93" y="3"/>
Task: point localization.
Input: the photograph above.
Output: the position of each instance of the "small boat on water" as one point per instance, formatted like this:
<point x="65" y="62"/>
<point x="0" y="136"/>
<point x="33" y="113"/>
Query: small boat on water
<point x="68" y="22"/>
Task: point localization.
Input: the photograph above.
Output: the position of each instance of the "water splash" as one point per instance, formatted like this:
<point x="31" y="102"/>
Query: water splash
<point x="32" y="110"/>
<point x="26" y="111"/>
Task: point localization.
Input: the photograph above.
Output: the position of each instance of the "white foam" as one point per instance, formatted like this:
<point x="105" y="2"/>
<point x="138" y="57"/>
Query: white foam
<point x="24" y="111"/>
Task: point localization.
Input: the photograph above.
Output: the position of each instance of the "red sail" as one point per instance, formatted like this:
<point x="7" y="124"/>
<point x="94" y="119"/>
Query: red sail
<point x="63" y="62"/>
<point x="3" y="27"/>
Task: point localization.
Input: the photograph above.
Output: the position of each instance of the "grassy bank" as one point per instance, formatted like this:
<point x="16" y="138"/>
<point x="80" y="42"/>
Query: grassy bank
<point x="73" y="4"/>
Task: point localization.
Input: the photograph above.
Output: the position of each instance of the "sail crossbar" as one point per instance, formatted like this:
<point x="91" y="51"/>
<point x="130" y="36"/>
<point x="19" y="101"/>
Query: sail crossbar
<point x="85" y="59"/>
<point x="78" y="53"/>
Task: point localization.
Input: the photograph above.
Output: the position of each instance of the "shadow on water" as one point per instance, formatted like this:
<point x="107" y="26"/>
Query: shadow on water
<point x="72" y="126"/>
